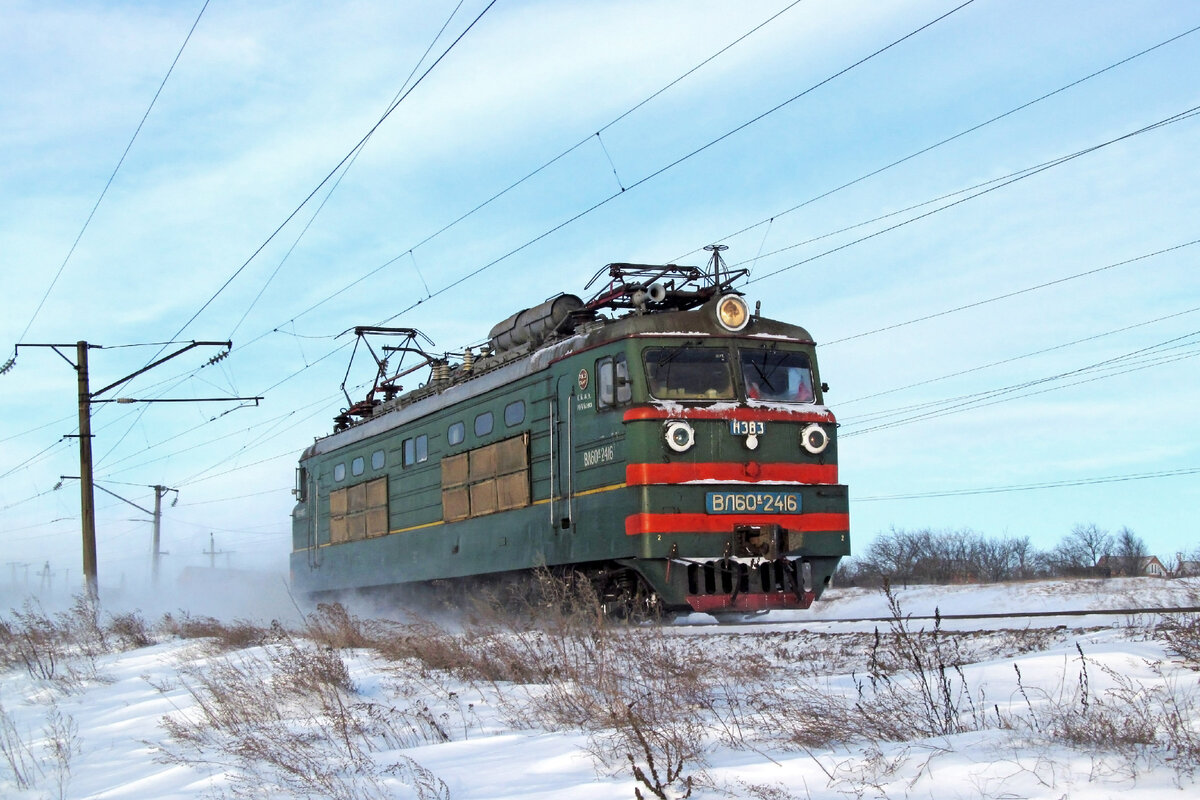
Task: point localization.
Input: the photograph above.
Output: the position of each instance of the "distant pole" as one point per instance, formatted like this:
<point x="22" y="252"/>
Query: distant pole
<point x="158" y="496"/>
<point x="87" y="495"/>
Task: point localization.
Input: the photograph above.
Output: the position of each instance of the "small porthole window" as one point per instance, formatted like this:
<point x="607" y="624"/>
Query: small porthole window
<point x="339" y="472"/>
<point x="514" y="413"/>
<point x="357" y="466"/>
<point x="378" y="459"/>
<point x="456" y="433"/>
<point x="483" y="424"/>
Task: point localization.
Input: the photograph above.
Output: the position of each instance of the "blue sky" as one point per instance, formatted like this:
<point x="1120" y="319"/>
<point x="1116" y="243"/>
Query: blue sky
<point x="1086" y="378"/>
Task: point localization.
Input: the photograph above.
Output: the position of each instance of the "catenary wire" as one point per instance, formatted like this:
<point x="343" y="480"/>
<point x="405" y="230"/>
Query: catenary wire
<point x="113" y="176"/>
<point x="1117" y="363"/>
<point x="310" y="196"/>
<point x="1014" y="293"/>
<point x="585" y="140"/>
<point x="346" y="158"/>
<point x="969" y="370"/>
<point x="1025" y="173"/>
<point x="1137" y="476"/>
<point x="949" y="139"/>
<point x="349" y="165"/>
<point x="1174" y="118"/>
<point x="987" y="398"/>
<point x="661" y="170"/>
<point x="793" y="208"/>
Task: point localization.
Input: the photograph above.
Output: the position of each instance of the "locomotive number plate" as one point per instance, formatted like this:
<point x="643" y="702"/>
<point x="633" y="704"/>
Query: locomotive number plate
<point x="745" y="427"/>
<point x="753" y="503"/>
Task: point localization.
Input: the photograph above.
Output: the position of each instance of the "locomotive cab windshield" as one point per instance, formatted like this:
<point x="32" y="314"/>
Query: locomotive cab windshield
<point x="689" y="373"/>
<point x="780" y="376"/>
<point x="706" y="373"/>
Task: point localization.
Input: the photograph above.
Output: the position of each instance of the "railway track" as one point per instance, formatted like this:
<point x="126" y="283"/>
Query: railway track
<point x="765" y="619"/>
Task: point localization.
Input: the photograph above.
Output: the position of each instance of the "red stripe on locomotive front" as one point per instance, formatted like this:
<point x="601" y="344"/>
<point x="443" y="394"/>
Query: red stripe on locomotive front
<point x="637" y="524"/>
<point x="749" y="413"/>
<point x="749" y="472"/>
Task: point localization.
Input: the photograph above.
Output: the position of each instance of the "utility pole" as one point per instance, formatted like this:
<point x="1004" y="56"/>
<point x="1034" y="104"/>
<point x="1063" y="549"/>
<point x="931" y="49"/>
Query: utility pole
<point x="87" y="496"/>
<point x="212" y="552"/>
<point x="156" y="515"/>
<point x="159" y="491"/>
<point x="14" y="565"/>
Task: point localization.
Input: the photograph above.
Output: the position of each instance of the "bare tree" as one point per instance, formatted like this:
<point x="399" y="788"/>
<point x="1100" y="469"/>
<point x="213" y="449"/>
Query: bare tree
<point x="1025" y="560"/>
<point x="1081" y="550"/>
<point x="1130" y="552"/>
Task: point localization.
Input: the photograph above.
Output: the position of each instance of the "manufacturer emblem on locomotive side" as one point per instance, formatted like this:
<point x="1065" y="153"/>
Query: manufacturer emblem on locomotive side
<point x="583" y="379"/>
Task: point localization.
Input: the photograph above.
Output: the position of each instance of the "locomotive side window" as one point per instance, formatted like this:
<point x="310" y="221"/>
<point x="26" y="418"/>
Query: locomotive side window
<point x="689" y="373"/>
<point x="624" y="385"/>
<point x="456" y="433"/>
<point x="416" y="450"/>
<point x="612" y="378"/>
<point x="777" y="376"/>
<point x="357" y="466"/>
<point x="339" y="472"/>
<point x="483" y="424"/>
<point x="606" y="396"/>
<point x="514" y="413"/>
<point x="378" y="458"/>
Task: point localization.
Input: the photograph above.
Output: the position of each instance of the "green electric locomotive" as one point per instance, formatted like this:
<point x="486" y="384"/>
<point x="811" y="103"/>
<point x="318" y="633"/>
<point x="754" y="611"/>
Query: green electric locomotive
<point x="660" y="438"/>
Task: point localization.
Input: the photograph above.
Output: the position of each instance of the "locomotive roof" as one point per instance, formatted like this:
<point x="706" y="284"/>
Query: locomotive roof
<point x="493" y="371"/>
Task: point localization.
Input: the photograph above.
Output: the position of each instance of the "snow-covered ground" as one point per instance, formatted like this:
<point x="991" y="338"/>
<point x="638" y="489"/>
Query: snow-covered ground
<point x="404" y="728"/>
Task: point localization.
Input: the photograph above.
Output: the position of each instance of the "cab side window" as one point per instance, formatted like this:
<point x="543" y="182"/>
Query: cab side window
<point x="613" y="385"/>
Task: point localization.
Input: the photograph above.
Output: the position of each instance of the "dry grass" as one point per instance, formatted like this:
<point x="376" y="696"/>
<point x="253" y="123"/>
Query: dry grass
<point x="221" y="636"/>
<point x="62" y="648"/>
<point x="280" y="708"/>
<point x="286" y="718"/>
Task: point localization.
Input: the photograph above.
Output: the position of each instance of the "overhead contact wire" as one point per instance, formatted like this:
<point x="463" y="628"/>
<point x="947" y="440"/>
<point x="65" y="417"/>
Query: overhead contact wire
<point x="1174" y="118"/>
<point x="949" y="139"/>
<point x="678" y="161"/>
<point x="335" y="170"/>
<point x="309" y="197"/>
<point x="113" y="176"/>
<point x="357" y="152"/>
<point x="536" y="171"/>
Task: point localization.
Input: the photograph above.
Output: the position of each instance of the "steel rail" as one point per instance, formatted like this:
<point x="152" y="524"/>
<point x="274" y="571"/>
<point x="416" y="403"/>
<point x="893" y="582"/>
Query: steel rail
<point x="1112" y="612"/>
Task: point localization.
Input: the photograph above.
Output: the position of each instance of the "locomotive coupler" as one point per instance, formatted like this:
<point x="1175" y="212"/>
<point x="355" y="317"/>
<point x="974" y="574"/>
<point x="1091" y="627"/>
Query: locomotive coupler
<point x="759" y="541"/>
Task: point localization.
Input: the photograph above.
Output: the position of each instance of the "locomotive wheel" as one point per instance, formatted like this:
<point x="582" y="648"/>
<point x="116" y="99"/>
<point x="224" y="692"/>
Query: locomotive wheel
<point x="625" y="596"/>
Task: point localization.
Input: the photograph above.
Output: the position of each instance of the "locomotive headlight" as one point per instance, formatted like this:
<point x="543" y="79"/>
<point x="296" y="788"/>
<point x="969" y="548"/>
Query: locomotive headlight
<point x="680" y="436"/>
<point x="814" y="439"/>
<point x="732" y="312"/>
